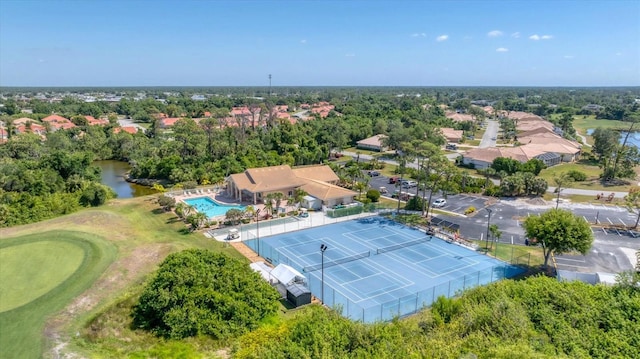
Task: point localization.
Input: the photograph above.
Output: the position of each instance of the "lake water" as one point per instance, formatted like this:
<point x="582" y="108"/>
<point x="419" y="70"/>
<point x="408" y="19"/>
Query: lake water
<point x="113" y="176"/>
<point x="633" y="140"/>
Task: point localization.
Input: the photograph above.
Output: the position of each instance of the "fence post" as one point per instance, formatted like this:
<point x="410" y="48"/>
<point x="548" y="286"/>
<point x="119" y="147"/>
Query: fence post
<point x="417" y="299"/>
<point x="399" y="301"/>
<point x="492" y="268"/>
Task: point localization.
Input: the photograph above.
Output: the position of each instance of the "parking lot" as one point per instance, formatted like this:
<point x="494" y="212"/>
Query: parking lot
<point x="613" y="248"/>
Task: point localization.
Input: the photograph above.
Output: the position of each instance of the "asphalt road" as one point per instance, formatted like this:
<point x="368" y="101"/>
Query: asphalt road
<point x="490" y="135"/>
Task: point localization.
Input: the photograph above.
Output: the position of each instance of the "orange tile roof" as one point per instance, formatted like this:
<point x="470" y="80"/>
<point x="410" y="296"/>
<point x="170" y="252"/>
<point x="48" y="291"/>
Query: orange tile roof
<point x="55" y="118"/>
<point x="129" y="129"/>
<point x="169" y="121"/>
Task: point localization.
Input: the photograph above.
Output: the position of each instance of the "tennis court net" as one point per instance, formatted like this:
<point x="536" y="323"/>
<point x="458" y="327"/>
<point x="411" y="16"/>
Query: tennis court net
<point x="402" y="245"/>
<point x="336" y="262"/>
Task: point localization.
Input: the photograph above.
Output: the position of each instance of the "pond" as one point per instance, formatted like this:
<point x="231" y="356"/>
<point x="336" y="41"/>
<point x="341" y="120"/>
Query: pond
<point x="633" y="140"/>
<point x="113" y="173"/>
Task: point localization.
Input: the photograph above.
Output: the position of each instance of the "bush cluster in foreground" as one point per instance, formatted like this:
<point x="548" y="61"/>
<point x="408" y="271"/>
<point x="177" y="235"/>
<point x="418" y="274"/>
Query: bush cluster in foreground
<point x="199" y="292"/>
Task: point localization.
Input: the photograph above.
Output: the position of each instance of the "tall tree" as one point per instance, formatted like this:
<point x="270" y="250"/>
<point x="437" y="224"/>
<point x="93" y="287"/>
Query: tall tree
<point x="559" y="231"/>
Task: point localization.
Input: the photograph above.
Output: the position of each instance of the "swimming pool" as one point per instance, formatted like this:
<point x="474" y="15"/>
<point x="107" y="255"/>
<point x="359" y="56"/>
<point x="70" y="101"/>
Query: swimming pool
<point x="210" y="207"/>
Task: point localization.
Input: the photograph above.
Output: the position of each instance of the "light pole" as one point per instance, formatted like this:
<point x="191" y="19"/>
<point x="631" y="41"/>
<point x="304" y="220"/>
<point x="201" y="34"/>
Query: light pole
<point x="488" y="224"/>
<point x="323" y="248"/>
<point x="258" y="229"/>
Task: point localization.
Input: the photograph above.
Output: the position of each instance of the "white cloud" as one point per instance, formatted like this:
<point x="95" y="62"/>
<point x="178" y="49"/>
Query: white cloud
<point x="515" y="35"/>
<point x="303" y="41"/>
<point x="537" y="37"/>
<point x="419" y="34"/>
<point x="350" y="55"/>
<point x="502" y="49"/>
<point x="442" y="38"/>
<point x="568" y="56"/>
<point x="494" y="33"/>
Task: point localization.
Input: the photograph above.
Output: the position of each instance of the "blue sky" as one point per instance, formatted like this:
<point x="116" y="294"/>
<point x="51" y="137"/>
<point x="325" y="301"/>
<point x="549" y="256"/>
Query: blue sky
<point x="319" y="43"/>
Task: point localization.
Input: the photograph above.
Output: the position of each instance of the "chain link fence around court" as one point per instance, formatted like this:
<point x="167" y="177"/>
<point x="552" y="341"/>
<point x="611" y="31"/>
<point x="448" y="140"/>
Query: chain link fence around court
<point x="396" y="308"/>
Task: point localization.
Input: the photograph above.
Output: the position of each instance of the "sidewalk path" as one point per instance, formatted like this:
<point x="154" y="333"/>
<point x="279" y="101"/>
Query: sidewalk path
<point x="588" y="192"/>
<point x="584" y="139"/>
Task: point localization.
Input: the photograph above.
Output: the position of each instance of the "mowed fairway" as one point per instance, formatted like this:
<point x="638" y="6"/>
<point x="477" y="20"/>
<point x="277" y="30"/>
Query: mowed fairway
<point x="39" y="275"/>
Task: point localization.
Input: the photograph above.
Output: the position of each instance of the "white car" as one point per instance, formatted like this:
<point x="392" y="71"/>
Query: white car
<point x="440" y="202"/>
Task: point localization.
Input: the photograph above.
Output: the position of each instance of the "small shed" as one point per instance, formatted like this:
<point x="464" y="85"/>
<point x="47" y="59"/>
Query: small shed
<point x="311" y="202"/>
<point x="298" y="294"/>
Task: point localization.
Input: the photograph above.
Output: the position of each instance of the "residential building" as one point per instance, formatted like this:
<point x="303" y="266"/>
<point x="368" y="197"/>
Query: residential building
<point x="373" y="143"/>
<point x="92" y="121"/>
<point x="451" y="135"/>
<point x="57" y="122"/>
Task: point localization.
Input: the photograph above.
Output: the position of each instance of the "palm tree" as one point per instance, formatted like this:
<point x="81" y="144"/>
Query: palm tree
<point x="278" y="197"/>
<point x="360" y="186"/>
<point x="268" y="203"/>
<point x="298" y="196"/>
<point x="180" y="208"/>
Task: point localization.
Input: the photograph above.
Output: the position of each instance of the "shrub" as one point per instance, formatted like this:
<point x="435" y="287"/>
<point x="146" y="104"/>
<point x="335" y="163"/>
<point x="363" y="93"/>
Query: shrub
<point x="199" y="292"/>
<point x="282" y="214"/>
<point x="493" y="191"/>
<point x="470" y="210"/>
<point x="414" y="204"/>
<point x="577" y="176"/>
<point x="373" y="195"/>
<point x="190" y="185"/>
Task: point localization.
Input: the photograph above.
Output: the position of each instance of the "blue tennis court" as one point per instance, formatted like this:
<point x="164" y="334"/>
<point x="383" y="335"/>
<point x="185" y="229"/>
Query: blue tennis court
<point x="376" y="269"/>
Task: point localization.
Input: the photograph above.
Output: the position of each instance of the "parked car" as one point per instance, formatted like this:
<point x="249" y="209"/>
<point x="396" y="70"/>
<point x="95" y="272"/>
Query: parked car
<point x="233" y="234"/>
<point x="440" y="202"/>
<point x="451" y="146"/>
<point x="409" y="184"/>
<point x="373" y="173"/>
<point x="393" y="179"/>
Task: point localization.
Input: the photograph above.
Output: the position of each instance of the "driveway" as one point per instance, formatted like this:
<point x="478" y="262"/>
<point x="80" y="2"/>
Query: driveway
<point x="490" y="135"/>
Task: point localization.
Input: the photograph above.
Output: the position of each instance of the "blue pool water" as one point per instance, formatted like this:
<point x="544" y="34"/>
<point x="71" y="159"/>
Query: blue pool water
<point x="210" y="207"/>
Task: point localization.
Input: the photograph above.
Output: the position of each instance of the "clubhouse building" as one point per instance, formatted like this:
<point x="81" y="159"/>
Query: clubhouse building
<point x="318" y="181"/>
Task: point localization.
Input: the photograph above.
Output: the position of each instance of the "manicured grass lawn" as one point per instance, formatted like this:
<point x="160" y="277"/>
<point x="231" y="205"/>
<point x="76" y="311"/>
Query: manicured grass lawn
<point x="515" y="253"/>
<point x="30" y="270"/>
<point x="582" y="123"/>
<point x="592" y="172"/>
<point x="364" y="152"/>
<point x="22" y="323"/>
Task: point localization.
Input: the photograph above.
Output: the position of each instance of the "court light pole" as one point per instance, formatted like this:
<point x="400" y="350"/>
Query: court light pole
<point x="488" y="224"/>
<point x="323" y="247"/>
<point x="258" y="229"/>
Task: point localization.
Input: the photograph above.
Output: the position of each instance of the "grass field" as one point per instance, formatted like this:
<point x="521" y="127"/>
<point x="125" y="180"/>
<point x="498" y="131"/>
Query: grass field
<point x="132" y="235"/>
<point x="41" y="273"/>
<point x="592" y="172"/>
<point x="584" y="123"/>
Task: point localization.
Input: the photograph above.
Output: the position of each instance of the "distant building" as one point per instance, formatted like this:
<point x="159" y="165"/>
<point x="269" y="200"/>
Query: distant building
<point x="451" y="135"/>
<point x="373" y="143"/>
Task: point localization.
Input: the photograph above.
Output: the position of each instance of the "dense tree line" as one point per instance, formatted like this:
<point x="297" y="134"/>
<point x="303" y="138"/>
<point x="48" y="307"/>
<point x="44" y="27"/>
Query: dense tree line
<point x="40" y="180"/>
<point x="533" y="318"/>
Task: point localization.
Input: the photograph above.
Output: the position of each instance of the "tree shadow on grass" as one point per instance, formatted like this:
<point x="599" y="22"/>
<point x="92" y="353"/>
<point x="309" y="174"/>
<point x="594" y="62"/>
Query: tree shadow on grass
<point x="158" y="211"/>
<point x="173" y="220"/>
<point x="185" y="231"/>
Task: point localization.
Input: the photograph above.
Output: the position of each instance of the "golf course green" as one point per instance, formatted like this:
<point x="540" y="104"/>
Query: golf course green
<point x="40" y="274"/>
